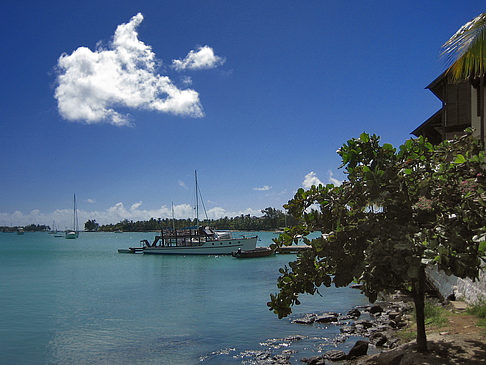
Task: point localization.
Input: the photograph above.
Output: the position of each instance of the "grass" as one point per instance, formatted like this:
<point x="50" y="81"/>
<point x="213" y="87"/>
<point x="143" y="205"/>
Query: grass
<point x="435" y="317"/>
<point x="479" y="310"/>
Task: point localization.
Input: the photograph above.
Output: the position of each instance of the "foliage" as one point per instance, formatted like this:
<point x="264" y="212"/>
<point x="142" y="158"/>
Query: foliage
<point x="272" y="219"/>
<point x="479" y="310"/>
<point x="397" y="211"/>
<point x="435" y="314"/>
<point x="29" y="228"/>
<point x="466" y="49"/>
<point x="91" y="225"/>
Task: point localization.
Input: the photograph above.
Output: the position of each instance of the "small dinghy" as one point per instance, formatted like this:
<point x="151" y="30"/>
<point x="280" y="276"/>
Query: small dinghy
<point x="131" y="250"/>
<point x="257" y="252"/>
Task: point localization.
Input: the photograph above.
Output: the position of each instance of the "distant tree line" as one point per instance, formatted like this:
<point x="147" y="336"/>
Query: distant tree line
<point x="272" y="219"/>
<point x="29" y="228"/>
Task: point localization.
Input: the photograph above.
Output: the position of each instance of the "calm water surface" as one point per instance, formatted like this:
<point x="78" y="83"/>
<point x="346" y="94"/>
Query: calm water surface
<point x="80" y="301"/>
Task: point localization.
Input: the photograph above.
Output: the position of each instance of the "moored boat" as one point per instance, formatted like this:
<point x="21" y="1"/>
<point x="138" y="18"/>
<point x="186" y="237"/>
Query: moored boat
<point x="198" y="241"/>
<point x="75" y="231"/>
<point x="257" y="252"/>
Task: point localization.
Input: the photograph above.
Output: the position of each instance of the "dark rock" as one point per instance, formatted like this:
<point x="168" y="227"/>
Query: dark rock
<point x="294" y="338"/>
<point x="281" y="359"/>
<point x="393" y="315"/>
<point x="376" y="309"/>
<point x="262" y="356"/>
<point x="307" y="319"/>
<point x="354" y="312"/>
<point x="401" y="324"/>
<point x="392" y="343"/>
<point x="288" y="352"/>
<point x="346" y="317"/>
<point x="347" y="329"/>
<point x="315" y="360"/>
<point x="364" y="323"/>
<point x="360" y="348"/>
<point x="335" y="355"/>
<point x="378" y="339"/>
<point x="326" y="318"/>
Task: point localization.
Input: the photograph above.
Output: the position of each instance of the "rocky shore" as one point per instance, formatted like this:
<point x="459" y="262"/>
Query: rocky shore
<point x="376" y="324"/>
<point x="460" y="341"/>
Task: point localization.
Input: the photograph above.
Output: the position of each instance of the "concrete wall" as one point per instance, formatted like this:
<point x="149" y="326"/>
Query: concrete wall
<point x="465" y="289"/>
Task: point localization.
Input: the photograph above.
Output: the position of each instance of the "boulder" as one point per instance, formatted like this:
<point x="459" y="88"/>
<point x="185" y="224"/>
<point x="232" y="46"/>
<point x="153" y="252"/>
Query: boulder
<point x="315" y="360"/>
<point x="347" y="329"/>
<point x="335" y="355"/>
<point x="327" y="318"/>
<point x="378" y="339"/>
<point x="360" y="348"/>
<point x="375" y="309"/>
<point x="307" y="319"/>
<point x="354" y="313"/>
<point x="364" y="323"/>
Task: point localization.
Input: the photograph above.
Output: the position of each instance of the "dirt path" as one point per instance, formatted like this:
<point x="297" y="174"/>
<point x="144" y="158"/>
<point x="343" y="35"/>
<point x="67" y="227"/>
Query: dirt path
<point x="459" y="342"/>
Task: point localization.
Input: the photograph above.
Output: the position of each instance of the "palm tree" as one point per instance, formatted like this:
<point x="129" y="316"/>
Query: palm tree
<point x="465" y="53"/>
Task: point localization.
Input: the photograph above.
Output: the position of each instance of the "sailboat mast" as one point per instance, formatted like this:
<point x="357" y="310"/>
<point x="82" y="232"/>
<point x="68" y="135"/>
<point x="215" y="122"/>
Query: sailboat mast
<point x="197" y="200"/>
<point x="173" y="218"/>
<point x="74" y="215"/>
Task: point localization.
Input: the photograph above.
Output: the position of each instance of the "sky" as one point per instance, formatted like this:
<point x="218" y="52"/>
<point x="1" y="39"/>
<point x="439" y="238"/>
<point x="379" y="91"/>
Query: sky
<point x="119" y="102"/>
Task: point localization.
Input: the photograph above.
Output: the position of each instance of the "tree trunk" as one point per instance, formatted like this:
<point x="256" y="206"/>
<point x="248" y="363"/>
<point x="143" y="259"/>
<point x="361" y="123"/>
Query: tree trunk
<point x="418" y="293"/>
<point x="481" y="106"/>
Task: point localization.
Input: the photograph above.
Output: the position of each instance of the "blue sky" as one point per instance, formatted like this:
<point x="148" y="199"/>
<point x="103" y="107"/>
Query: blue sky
<point x="119" y="102"/>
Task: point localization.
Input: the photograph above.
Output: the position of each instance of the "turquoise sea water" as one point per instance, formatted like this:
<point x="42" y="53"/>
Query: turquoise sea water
<point x="81" y="302"/>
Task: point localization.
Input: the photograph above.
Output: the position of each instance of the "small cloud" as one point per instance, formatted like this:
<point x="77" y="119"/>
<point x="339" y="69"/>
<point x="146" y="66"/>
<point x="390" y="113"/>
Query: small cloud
<point x="91" y="201"/>
<point x="136" y="205"/>
<point x="263" y="188"/>
<point x="182" y="184"/>
<point x="203" y="58"/>
<point x="186" y="80"/>
<point x="333" y="180"/>
<point x="311" y="179"/>
<point x="92" y="85"/>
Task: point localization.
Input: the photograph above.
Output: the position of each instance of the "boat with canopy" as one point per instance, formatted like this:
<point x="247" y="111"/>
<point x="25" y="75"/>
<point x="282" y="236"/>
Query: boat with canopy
<point x="197" y="240"/>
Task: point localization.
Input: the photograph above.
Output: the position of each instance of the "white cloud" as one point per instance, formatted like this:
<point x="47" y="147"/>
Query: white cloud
<point x="263" y="188"/>
<point x="182" y="184"/>
<point x="186" y="80"/>
<point x="114" y="214"/>
<point x="91" y="201"/>
<point x="91" y="85"/>
<point x="203" y="58"/>
<point x="333" y="180"/>
<point x="311" y="179"/>
<point x="136" y="206"/>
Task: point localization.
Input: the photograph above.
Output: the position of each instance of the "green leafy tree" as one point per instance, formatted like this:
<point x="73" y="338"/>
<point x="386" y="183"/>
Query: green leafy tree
<point x="397" y="211"/>
<point x="91" y="225"/>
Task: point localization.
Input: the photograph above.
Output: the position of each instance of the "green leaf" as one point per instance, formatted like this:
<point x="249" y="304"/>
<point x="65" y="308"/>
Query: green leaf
<point x="364" y="137"/>
<point x="482" y="248"/>
<point x="407" y="171"/>
<point x="459" y="159"/>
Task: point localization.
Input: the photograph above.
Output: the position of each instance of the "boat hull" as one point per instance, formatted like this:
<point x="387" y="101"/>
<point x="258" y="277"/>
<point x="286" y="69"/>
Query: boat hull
<point x="218" y="247"/>
<point x="257" y="252"/>
<point x="71" y="235"/>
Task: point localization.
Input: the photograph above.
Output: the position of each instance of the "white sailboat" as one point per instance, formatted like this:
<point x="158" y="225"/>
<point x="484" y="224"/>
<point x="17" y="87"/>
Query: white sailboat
<point x="75" y="232"/>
